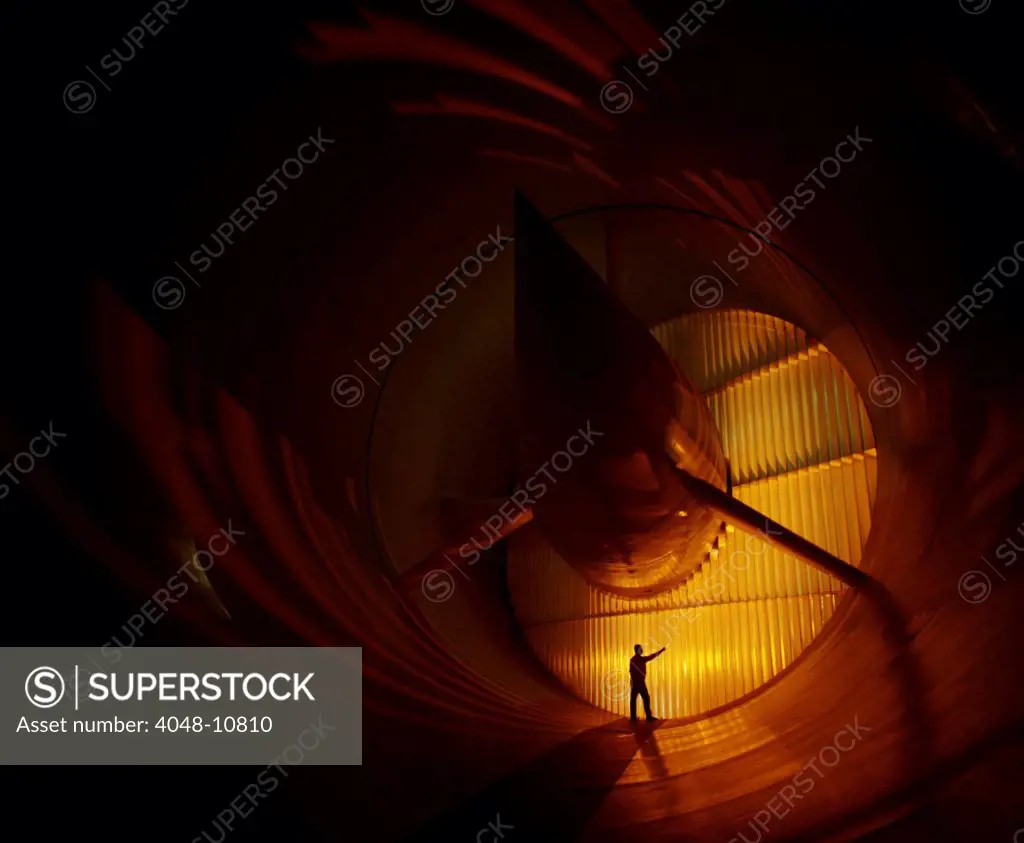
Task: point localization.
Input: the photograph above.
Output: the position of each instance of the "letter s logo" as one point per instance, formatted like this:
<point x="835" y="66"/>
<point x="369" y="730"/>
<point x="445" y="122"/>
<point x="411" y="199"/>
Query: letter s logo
<point x="44" y="687"/>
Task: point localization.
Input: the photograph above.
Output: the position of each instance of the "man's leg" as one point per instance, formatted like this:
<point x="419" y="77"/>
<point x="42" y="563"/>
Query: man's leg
<point x="646" y="697"/>
<point x="632" y="702"/>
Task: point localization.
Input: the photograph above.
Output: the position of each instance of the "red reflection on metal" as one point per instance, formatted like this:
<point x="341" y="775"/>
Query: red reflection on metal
<point x="397" y="40"/>
<point x="457" y="106"/>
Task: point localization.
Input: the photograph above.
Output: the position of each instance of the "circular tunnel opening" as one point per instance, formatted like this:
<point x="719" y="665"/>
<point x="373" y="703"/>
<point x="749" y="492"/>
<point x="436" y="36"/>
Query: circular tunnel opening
<point x="801" y="451"/>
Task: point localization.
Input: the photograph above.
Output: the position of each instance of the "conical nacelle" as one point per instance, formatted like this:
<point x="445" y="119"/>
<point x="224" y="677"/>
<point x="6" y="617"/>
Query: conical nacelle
<point x="618" y="510"/>
<point x="620" y="463"/>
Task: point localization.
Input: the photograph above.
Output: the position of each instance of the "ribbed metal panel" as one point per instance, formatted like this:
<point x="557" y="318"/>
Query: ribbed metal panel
<point x="715" y="654"/>
<point x="830" y="504"/>
<point x="800" y="411"/>
<point x="716" y="347"/>
<point x="797" y="432"/>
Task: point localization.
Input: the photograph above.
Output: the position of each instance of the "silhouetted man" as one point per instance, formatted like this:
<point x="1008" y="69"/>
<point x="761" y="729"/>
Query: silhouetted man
<point x="638" y="681"/>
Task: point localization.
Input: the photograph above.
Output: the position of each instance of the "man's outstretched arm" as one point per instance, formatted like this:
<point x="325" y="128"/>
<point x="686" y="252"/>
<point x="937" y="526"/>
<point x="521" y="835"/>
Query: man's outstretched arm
<point x="654" y="655"/>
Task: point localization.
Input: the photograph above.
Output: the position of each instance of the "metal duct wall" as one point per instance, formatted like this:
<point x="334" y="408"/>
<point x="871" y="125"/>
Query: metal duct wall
<point x="802" y="451"/>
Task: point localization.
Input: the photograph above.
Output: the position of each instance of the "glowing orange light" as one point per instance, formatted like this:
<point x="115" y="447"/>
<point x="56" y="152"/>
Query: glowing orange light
<point x="801" y="448"/>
